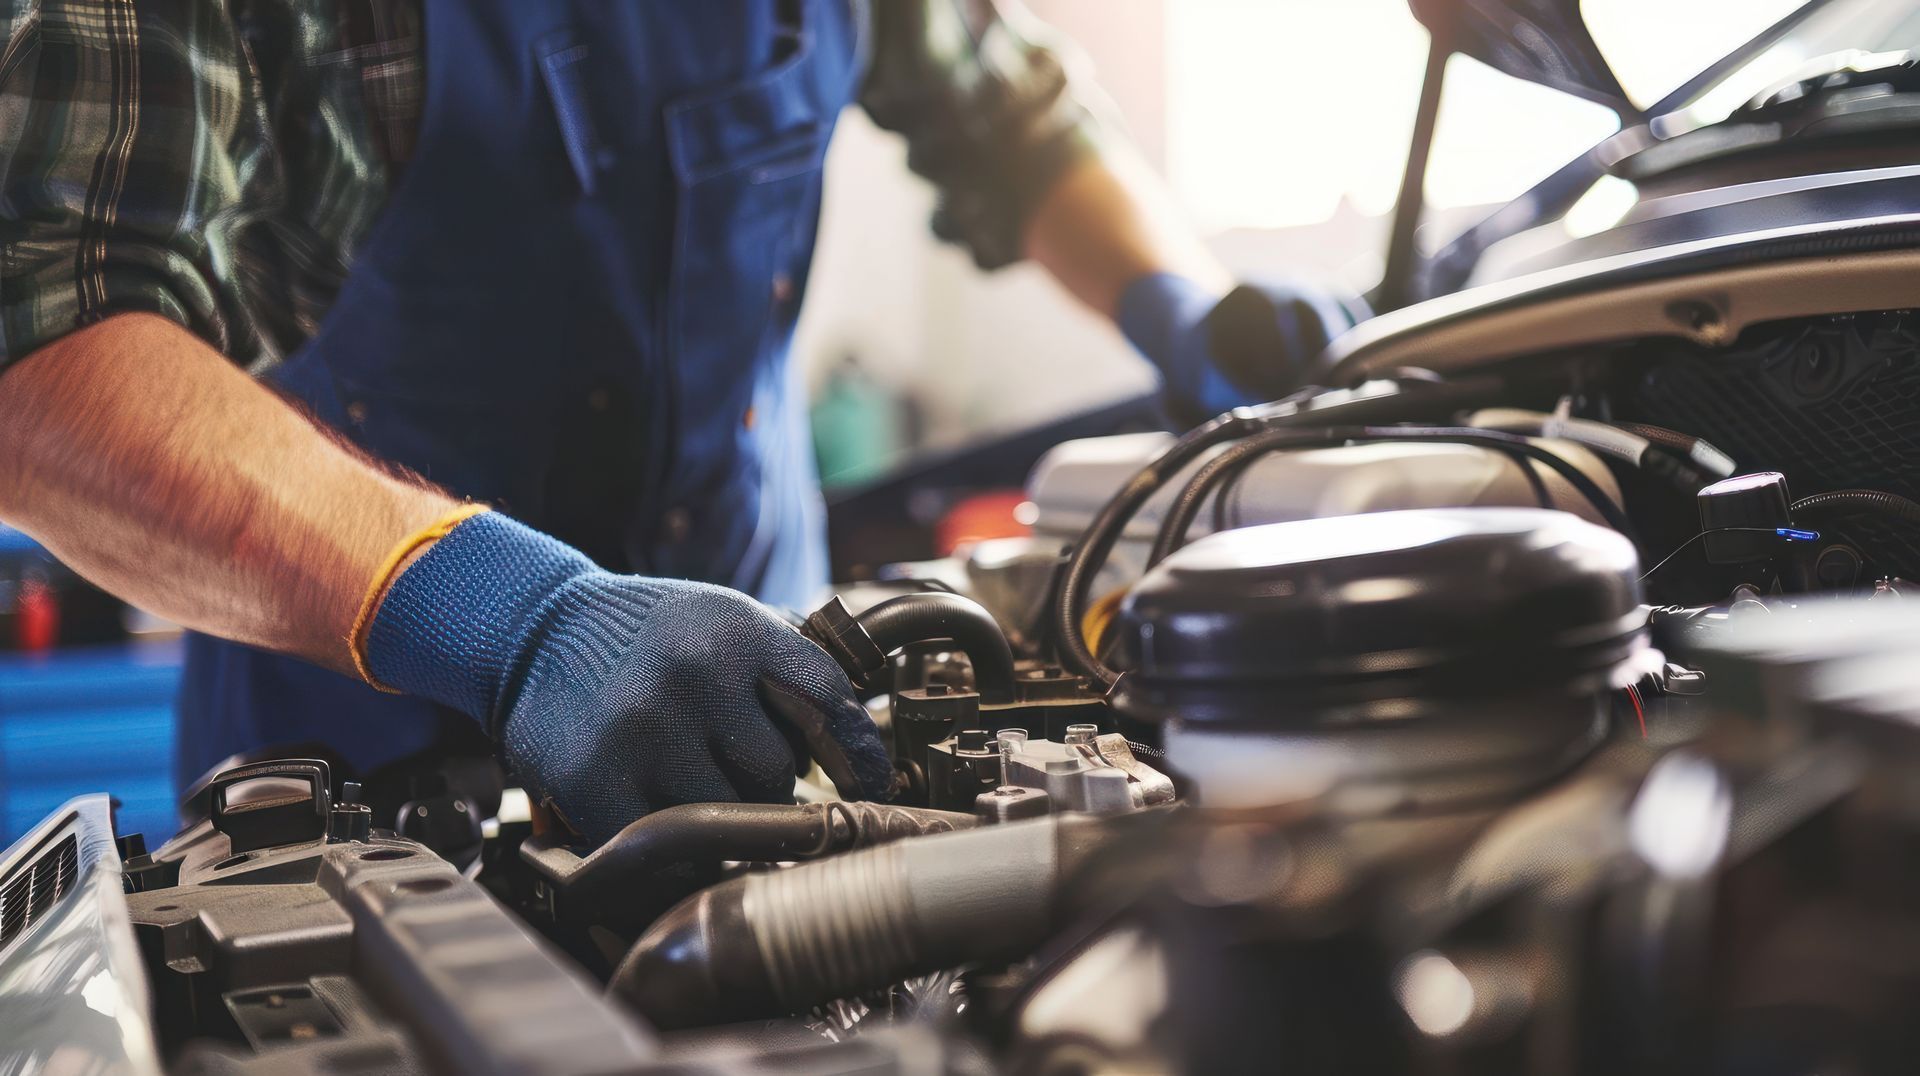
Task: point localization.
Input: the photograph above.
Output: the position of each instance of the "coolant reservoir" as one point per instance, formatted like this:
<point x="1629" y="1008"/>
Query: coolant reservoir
<point x="1384" y="663"/>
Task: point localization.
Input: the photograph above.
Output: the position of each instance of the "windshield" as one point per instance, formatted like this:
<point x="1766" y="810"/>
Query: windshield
<point x="1692" y="35"/>
<point x="1834" y="29"/>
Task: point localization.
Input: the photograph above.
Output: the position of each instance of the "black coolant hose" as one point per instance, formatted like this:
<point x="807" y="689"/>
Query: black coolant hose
<point x="861" y="643"/>
<point x="1186" y="507"/>
<point x="783" y="941"/>
<point x="1087" y="557"/>
<point x="716" y="832"/>
<point x="1097" y="542"/>
<point x="1697" y="449"/>
<point x="919" y="618"/>
<point x="1865" y="501"/>
<point x="1250" y="424"/>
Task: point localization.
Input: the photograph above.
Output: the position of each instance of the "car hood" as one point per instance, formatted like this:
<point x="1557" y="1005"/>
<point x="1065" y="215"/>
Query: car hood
<point x="1543" y="41"/>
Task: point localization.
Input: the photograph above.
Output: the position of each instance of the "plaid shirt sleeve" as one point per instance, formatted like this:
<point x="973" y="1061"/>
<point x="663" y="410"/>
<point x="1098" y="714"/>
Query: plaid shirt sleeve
<point x="991" y="113"/>
<point x="120" y="125"/>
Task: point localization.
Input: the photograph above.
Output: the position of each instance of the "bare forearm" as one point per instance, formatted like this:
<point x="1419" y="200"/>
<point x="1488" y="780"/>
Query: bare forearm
<point x="150" y="465"/>
<point x="1108" y="222"/>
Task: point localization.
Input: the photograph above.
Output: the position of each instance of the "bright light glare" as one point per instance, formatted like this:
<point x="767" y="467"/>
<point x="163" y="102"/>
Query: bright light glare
<point x="1278" y="110"/>
<point x="1498" y="135"/>
<point x="1680" y="822"/>
<point x="101" y="993"/>
<point x="1605" y="203"/>
<point x="1655" y="45"/>
<point x="1436" y="995"/>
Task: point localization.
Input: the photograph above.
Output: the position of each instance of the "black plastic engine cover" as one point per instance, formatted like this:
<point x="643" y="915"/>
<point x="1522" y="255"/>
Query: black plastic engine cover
<point x="359" y="956"/>
<point x="1428" y="603"/>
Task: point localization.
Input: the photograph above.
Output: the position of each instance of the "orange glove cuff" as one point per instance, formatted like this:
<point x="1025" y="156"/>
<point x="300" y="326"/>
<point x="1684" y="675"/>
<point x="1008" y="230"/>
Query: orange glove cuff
<point x="382" y="579"/>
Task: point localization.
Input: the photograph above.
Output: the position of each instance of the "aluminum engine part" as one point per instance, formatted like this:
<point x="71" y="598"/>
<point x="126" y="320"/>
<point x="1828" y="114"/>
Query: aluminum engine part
<point x="1093" y="773"/>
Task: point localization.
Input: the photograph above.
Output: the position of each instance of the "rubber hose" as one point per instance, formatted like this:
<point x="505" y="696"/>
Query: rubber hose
<point x="919" y="618"/>
<point x="1097" y="542"/>
<point x="713" y="832"/>
<point x="779" y="942"/>
<point x="1698" y="449"/>
<point x="1186" y="507"/>
<point x="1841" y="501"/>
<point x="1681" y="459"/>
<point x="1574" y="476"/>
<point x="1607" y="440"/>
<point x="1223" y="500"/>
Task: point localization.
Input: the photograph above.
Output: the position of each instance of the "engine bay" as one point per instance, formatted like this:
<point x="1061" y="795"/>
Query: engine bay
<point x="1549" y="718"/>
<point x="1531" y="691"/>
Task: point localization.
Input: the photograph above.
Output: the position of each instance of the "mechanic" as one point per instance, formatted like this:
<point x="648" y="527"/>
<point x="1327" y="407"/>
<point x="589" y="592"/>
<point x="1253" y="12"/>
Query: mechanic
<point x="539" y="257"/>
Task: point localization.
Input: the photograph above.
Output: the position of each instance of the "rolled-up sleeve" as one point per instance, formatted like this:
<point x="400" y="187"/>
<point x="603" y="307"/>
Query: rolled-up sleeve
<point x="116" y="150"/>
<point x="990" y="107"/>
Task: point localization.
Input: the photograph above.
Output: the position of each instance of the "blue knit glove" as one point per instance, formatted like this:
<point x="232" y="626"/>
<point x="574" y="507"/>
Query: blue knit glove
<point x="615" y="695"/>
<point x="1216" y="354"/>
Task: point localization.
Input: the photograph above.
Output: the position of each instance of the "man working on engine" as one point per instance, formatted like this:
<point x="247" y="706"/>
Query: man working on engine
<point x="543" y="257"/>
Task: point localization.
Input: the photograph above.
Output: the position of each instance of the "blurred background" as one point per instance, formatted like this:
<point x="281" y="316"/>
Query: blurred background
<point x="1282" y="126"/>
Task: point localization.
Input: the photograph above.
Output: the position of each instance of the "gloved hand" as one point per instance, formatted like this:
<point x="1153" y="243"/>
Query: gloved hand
<point x="616" y="695"/>
<point x="1220" y="353"/>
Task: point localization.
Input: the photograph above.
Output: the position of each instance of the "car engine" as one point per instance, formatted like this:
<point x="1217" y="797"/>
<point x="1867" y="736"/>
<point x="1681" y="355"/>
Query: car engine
<point x="1379" y="729"/>
<point x="1533" y="693"/>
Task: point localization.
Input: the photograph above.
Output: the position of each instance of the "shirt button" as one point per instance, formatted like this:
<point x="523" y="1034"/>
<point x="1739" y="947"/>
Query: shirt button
<point x="749" y="418"/>
<point x="676" y="524"/>
<point x="357" y="412"/>
<point x="598" y="399"/>
<point x="782" y="287"/>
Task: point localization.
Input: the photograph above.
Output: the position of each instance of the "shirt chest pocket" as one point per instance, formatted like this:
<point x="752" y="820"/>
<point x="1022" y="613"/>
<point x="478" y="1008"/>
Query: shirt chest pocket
<point x="746" y="163"/>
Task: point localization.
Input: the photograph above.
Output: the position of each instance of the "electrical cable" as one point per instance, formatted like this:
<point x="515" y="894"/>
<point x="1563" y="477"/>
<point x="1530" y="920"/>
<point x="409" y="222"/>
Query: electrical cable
<point x="1541" y="495"/>
<point x="1688" y="544"/>
<point x="1223" y="503"/>
<point x="1225" y="470"/>
<point x="1088" y="554"/>
<point x="1186" y="507"/>
<point x="1233" y="463"/>
<point x="1224" y="500"/>
<point x="1603" y="505"/>
<point x="1686" y="462"/>
<point x="1606" y="440"/>
<point x="1785" y="533"/>
<point x="1097" y="542"/>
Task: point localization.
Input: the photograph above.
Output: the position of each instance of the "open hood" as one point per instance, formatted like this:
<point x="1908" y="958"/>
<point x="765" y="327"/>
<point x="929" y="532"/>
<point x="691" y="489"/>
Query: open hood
<point x="1543" y="41"/>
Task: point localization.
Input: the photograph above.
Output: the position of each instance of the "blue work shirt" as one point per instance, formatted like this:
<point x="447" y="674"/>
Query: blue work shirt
<point x="558" y="274"/>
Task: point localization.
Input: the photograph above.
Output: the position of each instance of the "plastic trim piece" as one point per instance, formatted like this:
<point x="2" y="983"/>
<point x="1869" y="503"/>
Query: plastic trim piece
<point x="72" y="983"/>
